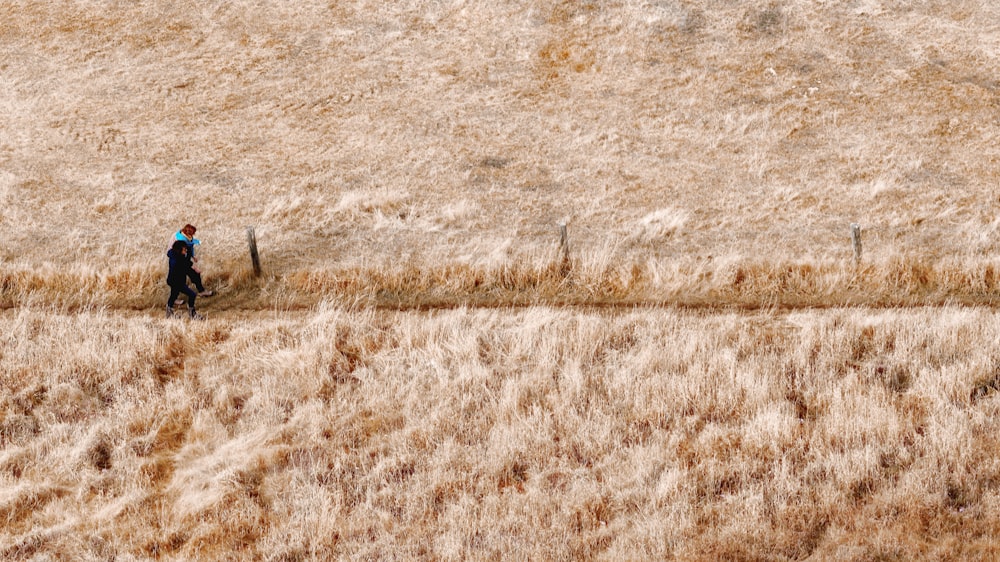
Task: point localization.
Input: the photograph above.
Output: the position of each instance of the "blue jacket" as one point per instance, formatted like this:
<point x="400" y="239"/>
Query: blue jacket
<point x="191" y="243"/>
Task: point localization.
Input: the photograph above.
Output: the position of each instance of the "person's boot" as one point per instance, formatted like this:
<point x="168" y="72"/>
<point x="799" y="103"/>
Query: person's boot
<point x="194" y="315"/>
<point x="170" y="311"/>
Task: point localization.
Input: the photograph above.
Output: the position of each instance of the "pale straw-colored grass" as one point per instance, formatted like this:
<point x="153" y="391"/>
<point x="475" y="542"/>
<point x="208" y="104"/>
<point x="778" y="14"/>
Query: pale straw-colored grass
<point x="350" y="132"/>
<point x="420" y="372"/>
<point x="465" y="434"/>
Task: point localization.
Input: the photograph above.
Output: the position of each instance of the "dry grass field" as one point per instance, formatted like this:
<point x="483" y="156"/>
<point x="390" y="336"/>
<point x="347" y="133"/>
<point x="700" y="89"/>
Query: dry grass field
<point x="421" y="372"/>
<point x="533" y="434"/>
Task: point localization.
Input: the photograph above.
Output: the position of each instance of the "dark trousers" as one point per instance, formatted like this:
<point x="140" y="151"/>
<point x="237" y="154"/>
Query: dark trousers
<point x="195" y="278"/>
<point x="176" y="290"/>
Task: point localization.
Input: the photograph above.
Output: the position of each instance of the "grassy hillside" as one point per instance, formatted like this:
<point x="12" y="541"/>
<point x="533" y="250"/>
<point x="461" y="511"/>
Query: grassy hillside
<point x="540" y="434"/>
<point x="423" y="134"/>
<point x="421" y="372"/>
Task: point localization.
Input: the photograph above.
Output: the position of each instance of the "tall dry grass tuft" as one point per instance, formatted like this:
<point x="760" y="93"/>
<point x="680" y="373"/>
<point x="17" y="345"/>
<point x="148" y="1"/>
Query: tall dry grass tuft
<point x="539" y="433"/>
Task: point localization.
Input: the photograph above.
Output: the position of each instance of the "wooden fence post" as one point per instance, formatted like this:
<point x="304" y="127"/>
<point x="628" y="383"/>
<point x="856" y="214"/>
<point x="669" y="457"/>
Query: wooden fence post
<point x="564" y="265"/>
<point x="856" y="241"/>
<point x="254" y="256"/>
<point x="563" y="241"/>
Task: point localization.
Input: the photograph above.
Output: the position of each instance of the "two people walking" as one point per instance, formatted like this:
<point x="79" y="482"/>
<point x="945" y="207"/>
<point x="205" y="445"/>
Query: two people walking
<point x="183" y="266"/>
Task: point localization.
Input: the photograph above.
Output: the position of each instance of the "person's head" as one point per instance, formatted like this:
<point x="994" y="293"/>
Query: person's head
<point x="188" y="230"/>
<point x="180" y="247"/>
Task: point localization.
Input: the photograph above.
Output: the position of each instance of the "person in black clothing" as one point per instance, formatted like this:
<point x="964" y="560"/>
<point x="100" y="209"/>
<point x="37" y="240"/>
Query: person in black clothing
<point x="186" y="235"/>
<point x="180" y="268"/>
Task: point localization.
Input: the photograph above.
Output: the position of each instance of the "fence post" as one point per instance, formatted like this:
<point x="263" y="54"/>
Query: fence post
<point x="563" y="241"/>
<point x="564" y="266"/>
<point x="856" y="241"/>
<point x="254" y="256"/>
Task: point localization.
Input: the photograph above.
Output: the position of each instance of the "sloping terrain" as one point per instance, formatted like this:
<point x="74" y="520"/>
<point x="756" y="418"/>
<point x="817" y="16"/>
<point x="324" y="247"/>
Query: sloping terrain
<point x="533" y="434"/>
<point x="428" y="134"/>
<point x="705" y="371"/>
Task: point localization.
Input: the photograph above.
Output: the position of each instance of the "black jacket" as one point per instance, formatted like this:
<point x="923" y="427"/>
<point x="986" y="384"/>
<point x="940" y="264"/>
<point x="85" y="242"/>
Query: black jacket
<point x="180" y="267"/>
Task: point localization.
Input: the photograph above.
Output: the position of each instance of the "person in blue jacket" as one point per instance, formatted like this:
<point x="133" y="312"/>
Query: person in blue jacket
<point x="186" y="235"/>
<point x="177" y="276"/>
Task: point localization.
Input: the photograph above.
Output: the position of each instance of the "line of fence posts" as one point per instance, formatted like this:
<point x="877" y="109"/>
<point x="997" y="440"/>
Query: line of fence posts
<point x="563" y="247"/>
<point x="564" y="244"/>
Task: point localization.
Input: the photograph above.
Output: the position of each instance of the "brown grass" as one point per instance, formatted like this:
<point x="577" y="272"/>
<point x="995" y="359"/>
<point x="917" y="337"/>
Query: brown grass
<point x="520" y="434"/>
<point x="358" y="136"/>
<point x="420" y="373"/>
<point x="539" y="279"/>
